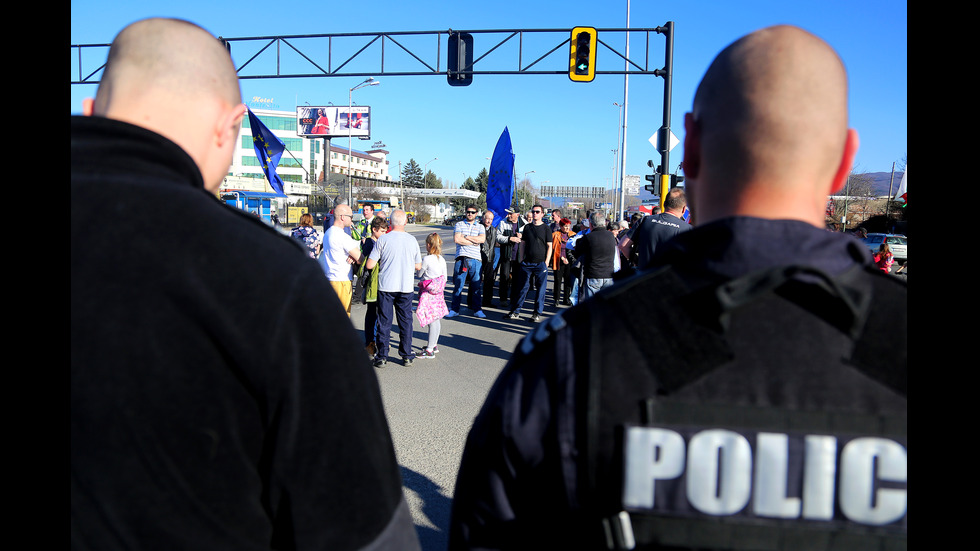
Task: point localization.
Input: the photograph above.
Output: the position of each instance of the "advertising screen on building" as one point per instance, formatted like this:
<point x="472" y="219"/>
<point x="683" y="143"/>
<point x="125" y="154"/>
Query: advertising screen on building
<point x="332" y="122"/>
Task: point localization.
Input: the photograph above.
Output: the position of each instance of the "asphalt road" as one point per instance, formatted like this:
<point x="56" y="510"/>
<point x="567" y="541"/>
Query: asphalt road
<point x="431" y="405"/>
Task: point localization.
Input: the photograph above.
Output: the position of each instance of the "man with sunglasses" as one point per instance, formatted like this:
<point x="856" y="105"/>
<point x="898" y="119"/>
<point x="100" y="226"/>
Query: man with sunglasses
<point x="340" y="253"/>
<point x="536" y="240"/>
<point x="468" y="235"/>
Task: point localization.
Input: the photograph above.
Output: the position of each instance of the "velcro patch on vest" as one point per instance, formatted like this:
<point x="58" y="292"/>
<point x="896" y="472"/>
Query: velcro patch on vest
<point x="832" y="479"/>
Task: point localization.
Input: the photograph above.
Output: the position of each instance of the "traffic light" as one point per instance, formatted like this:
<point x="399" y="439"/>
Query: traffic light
<point x="581" y="58"/>
<point x="653" y="187"/>
<point x="460" y="53"/>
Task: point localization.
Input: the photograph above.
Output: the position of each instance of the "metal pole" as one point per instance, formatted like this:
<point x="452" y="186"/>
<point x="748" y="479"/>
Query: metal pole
<point x="350" y="149"/>
<point x="626" y="93"/>
<point x="664" y="140"/>
<point x="888" y="202"/>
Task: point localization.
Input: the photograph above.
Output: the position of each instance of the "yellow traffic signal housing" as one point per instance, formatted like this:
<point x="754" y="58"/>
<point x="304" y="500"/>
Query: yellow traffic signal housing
<point x="581" y="58"/>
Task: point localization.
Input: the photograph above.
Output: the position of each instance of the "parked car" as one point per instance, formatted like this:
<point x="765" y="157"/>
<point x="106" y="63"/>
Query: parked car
<point x="897" y="243"/>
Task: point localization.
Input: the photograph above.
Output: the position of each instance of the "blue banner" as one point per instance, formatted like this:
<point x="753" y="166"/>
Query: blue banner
<point x="500" y="187"/>
<point x="268" y="148"/>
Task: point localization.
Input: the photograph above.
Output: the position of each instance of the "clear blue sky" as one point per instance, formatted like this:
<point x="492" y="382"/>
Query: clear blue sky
<point x="565" y="132"/>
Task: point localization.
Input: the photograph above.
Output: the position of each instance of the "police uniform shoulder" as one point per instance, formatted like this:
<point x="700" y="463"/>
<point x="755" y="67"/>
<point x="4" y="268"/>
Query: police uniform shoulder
<point x="607" y="307"/>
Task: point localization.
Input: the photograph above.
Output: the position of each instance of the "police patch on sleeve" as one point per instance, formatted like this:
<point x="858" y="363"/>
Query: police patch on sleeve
<point x="722" y="472"/>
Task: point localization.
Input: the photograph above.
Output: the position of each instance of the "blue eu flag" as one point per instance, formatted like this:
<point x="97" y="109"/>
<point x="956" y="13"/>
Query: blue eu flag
<point x="500" y="187"/>
<point x="268" y="148"/>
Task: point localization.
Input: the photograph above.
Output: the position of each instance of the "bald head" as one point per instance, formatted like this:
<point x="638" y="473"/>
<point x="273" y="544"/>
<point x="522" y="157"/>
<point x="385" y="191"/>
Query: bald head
<point x="342" y="216"/>
<point x="768" y="133"/>
<point x="166" y="56"/>
<point x="174" y="78"/>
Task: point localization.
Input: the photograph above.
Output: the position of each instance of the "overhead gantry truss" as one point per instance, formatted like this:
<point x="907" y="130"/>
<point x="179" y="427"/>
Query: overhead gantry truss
<point x="412" y="53"/>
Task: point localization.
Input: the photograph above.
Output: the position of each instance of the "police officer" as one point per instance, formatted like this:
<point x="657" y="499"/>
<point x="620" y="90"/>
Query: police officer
<point x="760" y="401"/>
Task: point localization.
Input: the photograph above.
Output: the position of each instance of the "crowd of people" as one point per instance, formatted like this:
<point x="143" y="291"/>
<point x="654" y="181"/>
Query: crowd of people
<point x="760" y="401"/>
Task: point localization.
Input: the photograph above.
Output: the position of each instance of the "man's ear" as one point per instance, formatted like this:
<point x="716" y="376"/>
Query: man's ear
<point x="846" y="162"/>
<point x="88" y="106"/>
<point x="228" y="124"/>
<point x="692" y="146"/>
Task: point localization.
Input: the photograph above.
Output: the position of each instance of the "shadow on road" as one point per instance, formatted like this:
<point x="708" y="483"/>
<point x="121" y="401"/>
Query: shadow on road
<point x="435" y="506"/>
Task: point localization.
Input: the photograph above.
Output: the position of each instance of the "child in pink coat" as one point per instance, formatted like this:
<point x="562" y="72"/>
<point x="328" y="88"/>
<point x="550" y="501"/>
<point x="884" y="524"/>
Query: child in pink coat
<point x="432" y="303"/>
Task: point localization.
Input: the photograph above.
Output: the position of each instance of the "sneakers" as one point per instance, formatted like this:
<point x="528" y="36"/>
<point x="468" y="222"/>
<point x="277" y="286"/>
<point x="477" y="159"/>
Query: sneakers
<point x="426" y="354"/>
<point x="535" y="318"/>
<point x="435" y="349"/>
<point x="407" y="360"/>
<point x="512" y="316"/>
<point x="452" y="314"/>
<point x="480" y="314"/>
<point x="380" y="362"/>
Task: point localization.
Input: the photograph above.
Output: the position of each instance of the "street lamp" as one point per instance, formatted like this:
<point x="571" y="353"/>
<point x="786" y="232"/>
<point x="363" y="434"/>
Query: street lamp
<point x="525" y="186"/>
<point x="350" y="142"/>
<point x="620" y="146"/>
<point x="425" y="171"/>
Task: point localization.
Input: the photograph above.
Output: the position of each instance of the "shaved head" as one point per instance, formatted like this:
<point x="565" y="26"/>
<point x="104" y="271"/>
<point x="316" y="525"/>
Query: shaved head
<point x="342" y="215"/>
<point x="166" y="55"/>
<point x="174" y="78"/>
<point x="768" y="132"/>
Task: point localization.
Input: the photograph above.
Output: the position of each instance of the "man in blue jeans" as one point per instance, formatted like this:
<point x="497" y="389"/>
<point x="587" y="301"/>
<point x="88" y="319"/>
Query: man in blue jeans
<point x="600" y="256"/>
<point x="468" y="235"/>
<point x="536" y="238"/>
<point x="399" y="256"/>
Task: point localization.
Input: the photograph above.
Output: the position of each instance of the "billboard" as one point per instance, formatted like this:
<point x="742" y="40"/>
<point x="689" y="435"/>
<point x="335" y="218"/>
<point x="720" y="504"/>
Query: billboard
<point x="332" y="122"/>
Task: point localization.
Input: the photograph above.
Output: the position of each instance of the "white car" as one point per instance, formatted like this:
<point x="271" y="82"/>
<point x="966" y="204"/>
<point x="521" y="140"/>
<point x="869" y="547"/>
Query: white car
<point x="898" y="244"/>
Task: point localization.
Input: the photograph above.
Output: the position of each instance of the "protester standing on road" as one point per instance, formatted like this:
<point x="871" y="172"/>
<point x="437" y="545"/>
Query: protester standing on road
<point x="469" y="235"/>
<point x="432" y="285"/>
<point x="884" y="258"/>
<point x="488" y="253"/>
<point x="510" y="264"/>
<point x="536" y="241"/>
<point x="362" y="230"/>
<point x="599" y="253"/>
<point x="340" y="253"/>
<point x="379" y="226"/>
<point x="399" y="256"/>
<point x="307" y="234"/>
<point x="219" y="397"/>
<point x="558" y="262"/>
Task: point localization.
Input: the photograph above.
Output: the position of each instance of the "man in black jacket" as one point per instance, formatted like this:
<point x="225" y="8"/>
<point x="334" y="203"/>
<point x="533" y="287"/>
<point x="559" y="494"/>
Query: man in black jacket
<point x="749" y="394"/>
<point x="599" y="254"/>
<point x="488" y="251"/>
<point x="219" y="397"/>
<point x="510" y="264"/>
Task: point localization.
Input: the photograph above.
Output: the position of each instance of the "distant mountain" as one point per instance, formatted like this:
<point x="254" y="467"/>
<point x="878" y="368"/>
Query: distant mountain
<point x="881" y="180"/>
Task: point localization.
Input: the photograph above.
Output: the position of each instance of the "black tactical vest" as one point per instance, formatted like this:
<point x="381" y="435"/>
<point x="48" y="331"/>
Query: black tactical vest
<point x="766" y="412"/>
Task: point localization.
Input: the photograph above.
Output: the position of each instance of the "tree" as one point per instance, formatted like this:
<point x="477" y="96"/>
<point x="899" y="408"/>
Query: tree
<point x="473" y="185"/>
<point x="861" y="203"/>
<point x="412" y="174"/>
<point x="526" y="192"/>
<point x="482" y="181"/>
<point x="432" y="181"/>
